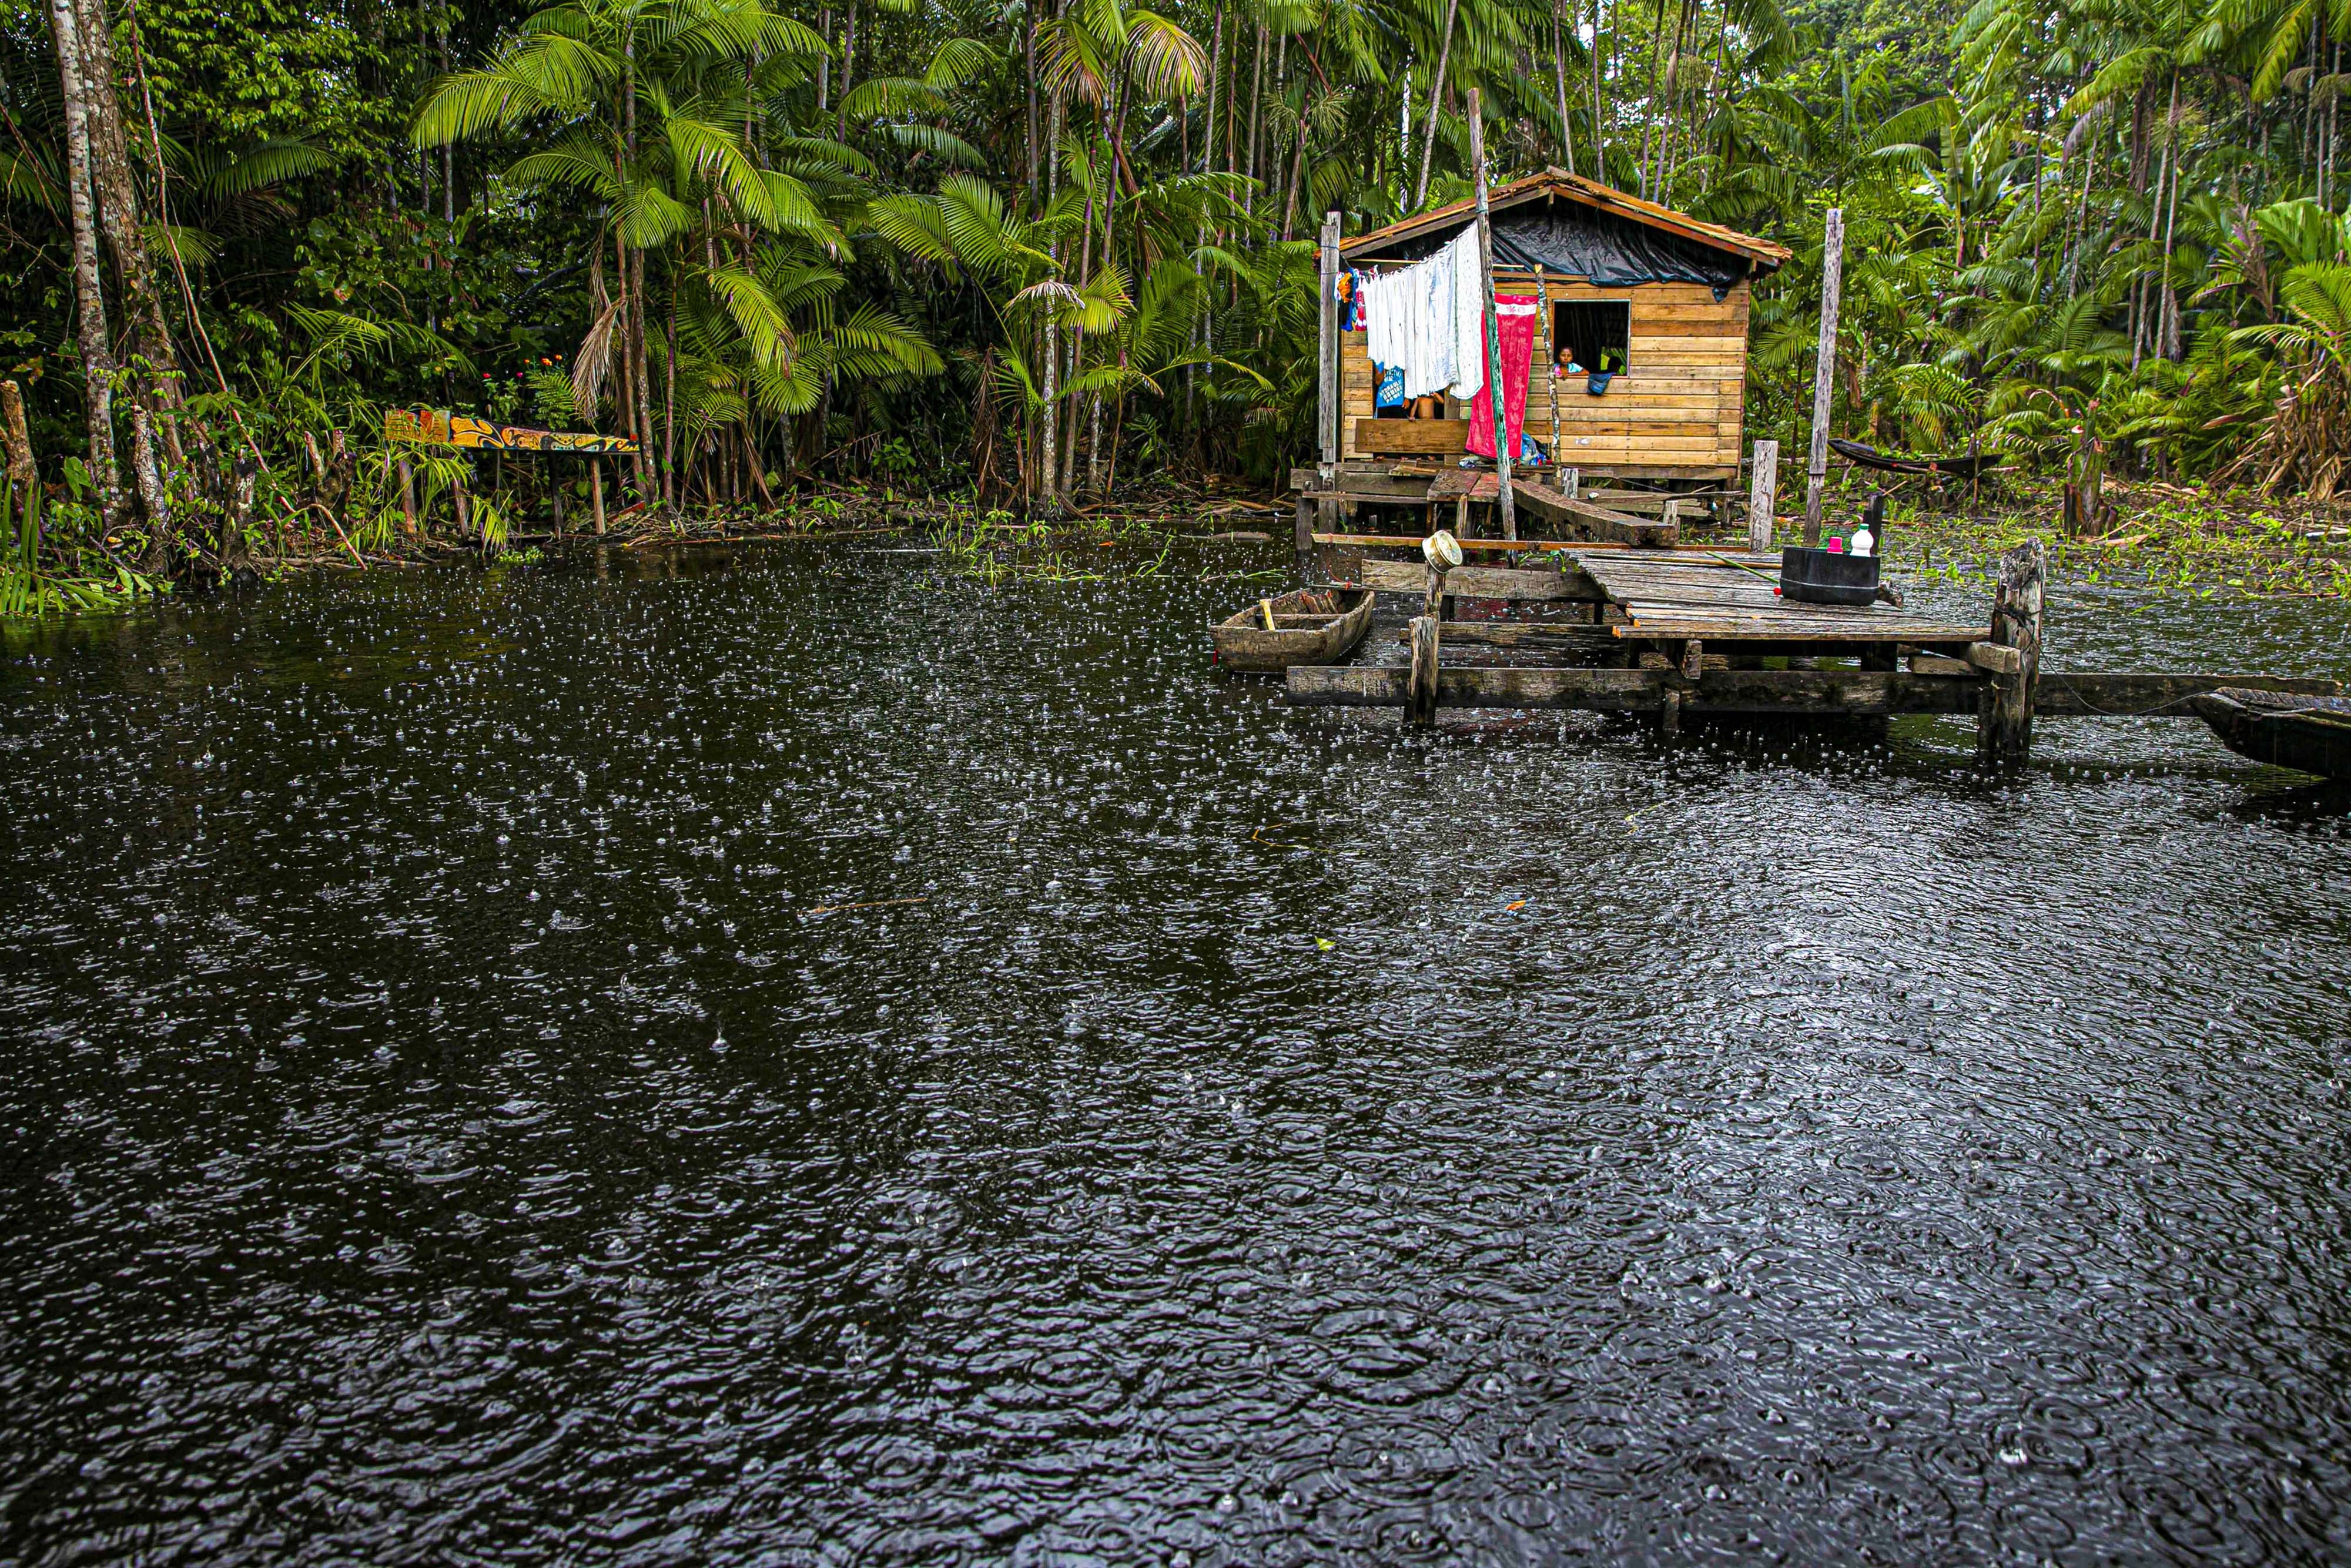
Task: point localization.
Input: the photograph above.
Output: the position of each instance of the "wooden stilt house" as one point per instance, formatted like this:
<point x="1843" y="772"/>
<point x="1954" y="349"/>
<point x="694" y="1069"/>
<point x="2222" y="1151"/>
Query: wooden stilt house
<point x="1657" y="296"/>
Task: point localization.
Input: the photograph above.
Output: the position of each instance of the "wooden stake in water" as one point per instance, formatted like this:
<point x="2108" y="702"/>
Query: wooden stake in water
<point x="1494" y="397"/>
<point x="1824" y="371"/>
<point x="2005" y="722"/>
<point x="1762" y="495"/>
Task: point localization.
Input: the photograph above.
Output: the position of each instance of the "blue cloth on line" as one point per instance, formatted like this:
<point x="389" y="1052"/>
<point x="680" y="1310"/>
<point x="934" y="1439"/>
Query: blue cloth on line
<point x="1391" y="390"/>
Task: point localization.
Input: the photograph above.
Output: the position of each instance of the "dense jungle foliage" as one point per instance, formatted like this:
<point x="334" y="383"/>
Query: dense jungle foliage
<point x="966" y="245"/>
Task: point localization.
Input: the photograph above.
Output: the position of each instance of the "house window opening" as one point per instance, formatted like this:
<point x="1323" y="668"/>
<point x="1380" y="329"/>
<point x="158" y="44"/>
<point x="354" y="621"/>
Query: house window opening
<point x="1594" y="334"/>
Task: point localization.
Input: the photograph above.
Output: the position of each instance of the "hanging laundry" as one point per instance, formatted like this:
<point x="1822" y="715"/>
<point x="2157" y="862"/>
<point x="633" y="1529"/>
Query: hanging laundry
<point x="1468" y="317"/>
<point x="1425" y="320"/>
<point x="1428" y="350"/>
<point x="1385" y="322"/>
<point x="1390" y="392"/>
<point x="1514" y="323"/>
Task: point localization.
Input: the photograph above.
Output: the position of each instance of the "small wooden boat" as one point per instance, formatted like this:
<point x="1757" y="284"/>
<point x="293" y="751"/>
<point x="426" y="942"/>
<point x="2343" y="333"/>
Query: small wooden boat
<point x="2309" y="733"/>
<point x="1307" y="626"/>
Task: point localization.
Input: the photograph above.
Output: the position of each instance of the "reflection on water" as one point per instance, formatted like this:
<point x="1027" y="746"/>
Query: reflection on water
<point x="788" y="1058"/>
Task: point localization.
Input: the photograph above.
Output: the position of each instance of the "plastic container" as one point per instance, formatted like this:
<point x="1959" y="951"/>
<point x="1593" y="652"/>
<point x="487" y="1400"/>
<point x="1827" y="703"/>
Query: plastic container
<point x="1827" y="577"/>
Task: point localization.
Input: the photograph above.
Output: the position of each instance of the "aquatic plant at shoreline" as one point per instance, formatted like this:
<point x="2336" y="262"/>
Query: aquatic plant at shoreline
<point x="2165" y="539"/>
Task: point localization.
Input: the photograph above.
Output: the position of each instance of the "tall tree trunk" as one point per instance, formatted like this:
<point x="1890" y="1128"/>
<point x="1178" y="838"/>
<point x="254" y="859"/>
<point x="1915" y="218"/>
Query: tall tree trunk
<point x="89" y="298"/>
<point x="1435" y="96"/>
<point x="1233" y="107"/>
<point x="847" y="59"/>
<point x="653" y="475"/>
<point x="118" y="207"/>
<point x="1216" y="70"/>
<point x="448" y="148"/>
<point x="1049" y="465"/>
<point x="1297" y="178"/>
<point x="824" y="77"/>
<point x="1599" y="135"/>
<point x="1649" y="98"/>
<point x="671" y="494"/>
<point x="154" y="388"/>
<point x="633" y="279"/>
<point x="1559" y="69"/>
<point x="1257" y="100"/>
<point x="1028" y="56"/>
<point x="2169" y="330"/>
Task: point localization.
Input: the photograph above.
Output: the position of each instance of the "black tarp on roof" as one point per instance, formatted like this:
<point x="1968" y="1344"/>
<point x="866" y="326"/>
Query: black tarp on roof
<point x="1584" y="242"/>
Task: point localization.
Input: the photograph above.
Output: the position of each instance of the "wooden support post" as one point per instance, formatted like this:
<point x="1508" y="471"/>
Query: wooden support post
<point x="1693" y="659"/>
<point x="1816" y="473"/>
<point x="1327" y="401"/>
<point x="2004" y="721"/>
<point x="1443" y="553"/>
<point x="1495" y="398"/>
<point x="465" y="510"/>
<point x="1420" y="689"/>
<point x="555" y="493"/>
<point x="1669" y="714"/>
<point x="1301" y="537"/>
<point x="1763" y="495"/>
<point x="407" y="496"/>
<point x="1551" y="366"/>
<point x="1570" y="479"/>
<point x="596" y="490"/>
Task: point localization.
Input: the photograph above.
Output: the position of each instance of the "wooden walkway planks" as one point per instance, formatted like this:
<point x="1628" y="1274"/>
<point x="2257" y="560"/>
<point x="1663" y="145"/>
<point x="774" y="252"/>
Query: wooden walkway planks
<point x="1455" y="483"/>
<point x="1684" y="596"/>
<point x="1552" y="506"/>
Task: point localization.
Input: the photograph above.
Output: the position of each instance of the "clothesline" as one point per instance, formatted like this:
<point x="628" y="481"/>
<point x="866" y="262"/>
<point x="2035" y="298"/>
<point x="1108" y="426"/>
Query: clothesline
<point x="1425" y="330"/>
<point x="1428" y="321"/>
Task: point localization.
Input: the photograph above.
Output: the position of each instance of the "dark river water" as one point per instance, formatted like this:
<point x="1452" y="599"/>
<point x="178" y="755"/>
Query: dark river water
<point x="792" y="1057"/>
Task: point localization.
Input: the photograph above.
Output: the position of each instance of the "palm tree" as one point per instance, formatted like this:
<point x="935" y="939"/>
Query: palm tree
<point x="647" y="105"/>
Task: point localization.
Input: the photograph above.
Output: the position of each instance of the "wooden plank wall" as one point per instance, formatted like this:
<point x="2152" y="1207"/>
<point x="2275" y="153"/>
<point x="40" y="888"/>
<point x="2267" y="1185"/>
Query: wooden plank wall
<point x="1680" y="405"/>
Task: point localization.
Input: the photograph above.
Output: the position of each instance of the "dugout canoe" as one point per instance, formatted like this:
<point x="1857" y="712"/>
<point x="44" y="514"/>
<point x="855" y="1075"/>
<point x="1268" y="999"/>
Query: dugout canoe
<point x="2308" y="734"/>
<point x="1305" y="626"/>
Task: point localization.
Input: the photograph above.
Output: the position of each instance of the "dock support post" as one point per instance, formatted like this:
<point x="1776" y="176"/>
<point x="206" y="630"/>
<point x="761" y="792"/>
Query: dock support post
<point x="2004" y="721"/>
<point x="1420" y="691"/>
<point x="1763" y="495"/>
<point x="1551" y="366"/>
<point x="1443" y="552"/>
<point x="1669" y="714"/>
<point x="1816" y="473"/>
<point x="1327" y="404"/>
<point x="1496" y="398"/>
<point x="596" y="490"/>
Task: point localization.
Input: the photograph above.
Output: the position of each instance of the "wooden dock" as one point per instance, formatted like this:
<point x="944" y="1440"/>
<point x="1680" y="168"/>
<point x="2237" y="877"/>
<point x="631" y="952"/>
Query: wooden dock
<point x="1727" y="600"/>
<point x="1696" y="632"/>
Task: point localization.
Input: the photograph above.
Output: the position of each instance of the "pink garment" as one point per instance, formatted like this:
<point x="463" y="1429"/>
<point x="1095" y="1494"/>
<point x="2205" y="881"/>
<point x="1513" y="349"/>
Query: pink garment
<point x="1514" y="323"/>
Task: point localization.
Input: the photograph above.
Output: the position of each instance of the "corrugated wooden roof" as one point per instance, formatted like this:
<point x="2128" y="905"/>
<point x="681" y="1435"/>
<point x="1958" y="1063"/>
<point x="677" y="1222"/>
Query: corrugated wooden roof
<point x="1765" y="253"/>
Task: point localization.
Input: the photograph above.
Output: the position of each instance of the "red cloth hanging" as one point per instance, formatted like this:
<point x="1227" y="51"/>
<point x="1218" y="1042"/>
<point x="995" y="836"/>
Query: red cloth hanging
<point x="1514" y="323"/>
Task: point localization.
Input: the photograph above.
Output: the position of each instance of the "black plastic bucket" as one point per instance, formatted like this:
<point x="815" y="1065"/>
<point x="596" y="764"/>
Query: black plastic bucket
<point x="1827" y="577"/>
